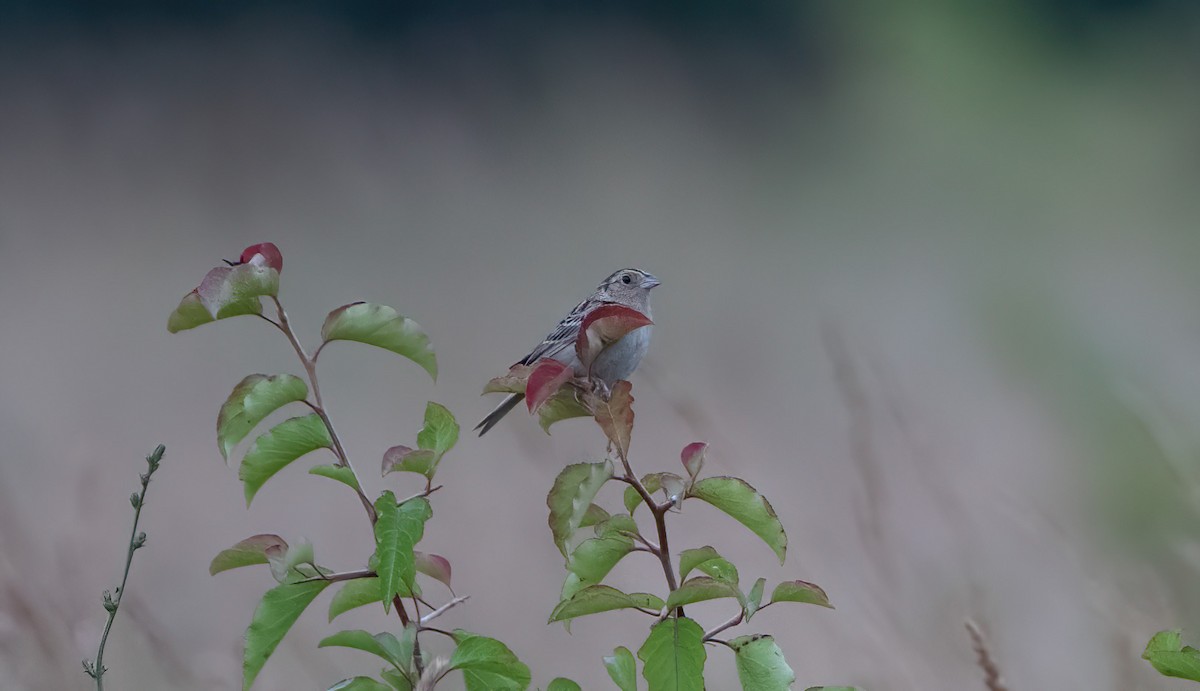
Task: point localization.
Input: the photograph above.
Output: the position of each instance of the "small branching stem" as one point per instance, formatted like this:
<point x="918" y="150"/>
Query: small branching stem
<point x="443" y="609"/>
<point x="662" y="550"/>
<point x="727" y="624"/>
<point x="318" y="406"/>
<point x="136" y="541"/>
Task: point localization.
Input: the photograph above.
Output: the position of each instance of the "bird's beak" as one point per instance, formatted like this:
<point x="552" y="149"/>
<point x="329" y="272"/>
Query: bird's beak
<point x="651" y="282"/>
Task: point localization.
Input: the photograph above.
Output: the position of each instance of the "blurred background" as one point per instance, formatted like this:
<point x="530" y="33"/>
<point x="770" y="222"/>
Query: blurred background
<point x="929" y="281"/>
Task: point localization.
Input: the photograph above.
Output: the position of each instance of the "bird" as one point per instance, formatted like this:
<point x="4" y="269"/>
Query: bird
<point x="627" y="288"/>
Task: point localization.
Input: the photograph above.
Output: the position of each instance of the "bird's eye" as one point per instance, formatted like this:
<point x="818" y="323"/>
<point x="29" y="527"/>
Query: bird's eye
<point x="627" y="279"/>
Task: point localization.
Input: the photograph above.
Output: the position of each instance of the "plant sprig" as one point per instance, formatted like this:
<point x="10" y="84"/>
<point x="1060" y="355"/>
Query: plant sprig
<point x="112" y="599"/>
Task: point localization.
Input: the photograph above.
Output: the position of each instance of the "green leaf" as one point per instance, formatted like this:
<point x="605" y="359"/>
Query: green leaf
<point x="615" y="416"/>
<point x="385" y="645"/>
<point x="653" y="482"/>
<point x="341" y="473"/>
<point x="561" y="684"/>
<point x="562" y="406"/>
<point x="593" y="516"/>
<point x="252" y="400"/>
<point x="225" y="292"/>
<point x="279" y="608"/>
<point x="409" y="460"/>
<point x="800" y="591"/>
<point x="760" y="664"/>
<point x="285" y="563"/>
<point x="622" y="669"/>
<point x="487" y="664"/>
<point x="440" y="432"/>
<point x="594" y="599"/>
<point x="398" y="680"/>
<point x="397" y="530"/>
<point x="380" y="326"/>
<point x="1171" y="658"/>
<point x="248" y="552"/>
<point x="281" y="445"/>
<point x="737" y="498"/>
<point x="617" y="524"/>
<point x="572" y="495"/>
<point x="673" y="656"/>
<point x="691" y="558"/>
<point x="515" y="381"/>
<point x="356" y="593"/>
<point x="833" y="688"/>
<point x="596" y="556"/>
<point x="699" y="589"/>
<point x="754" y="598"/>
<point x="360" y="684"/>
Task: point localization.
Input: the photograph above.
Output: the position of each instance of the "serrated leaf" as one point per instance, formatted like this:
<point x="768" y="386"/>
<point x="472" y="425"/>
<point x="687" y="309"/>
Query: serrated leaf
<point x="380" y="326"/>
<point x="737" y="498"/>
<point x="593" y="516"/>
<point x="279" y="608"/>
<point x="562" y="684"/>
<point x="252" y="400"/>
<point x="622" y="669"/>
<point x="754" y="597"/>
<point x="760" y="664"/>
<point x="1171" y="658"/>
<point x="357" y="593"/>
<point x="604" y="326"/>
<point x="545" y="379"/>
<point x="435" y="566"/>
<point x="691" y="558"/>
<point x="397" y="530"/>
<point x="594" y="599"/>
<point x="248" y="552"/>
<point x="562" y="406"/>
<point x="699" y="589"/>
<point x="487" y="664"/>
<point x="407" y="459"/>
<point x="692" y="457"/>
<point x="800" y="591"/>
<point x="440" y="432"/>
<point x="615" y="416"/>
<point x="574" y="489"/>
<point x="281" y="445"/>
<point x="596" y="556"/>
<point x="340" y="473"/>
<point x="384" y="645"/>
<point x="514" y="382"/>
<point x="360" y="684"/>
<point x="673" y="656"/>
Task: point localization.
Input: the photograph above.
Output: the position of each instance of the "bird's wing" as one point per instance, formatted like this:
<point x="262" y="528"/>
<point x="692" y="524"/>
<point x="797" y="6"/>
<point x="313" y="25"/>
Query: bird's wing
<point x="563" y="336"/>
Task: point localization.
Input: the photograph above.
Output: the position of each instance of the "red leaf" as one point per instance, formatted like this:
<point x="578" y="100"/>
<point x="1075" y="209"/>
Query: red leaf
<point x="434" y="566"/>
<point x="264" y="253"/>
<point x="693" y="457"/>
<point x="615" y="416"/>
<point x="544" y="381"/>
<point x="603" y="327"/>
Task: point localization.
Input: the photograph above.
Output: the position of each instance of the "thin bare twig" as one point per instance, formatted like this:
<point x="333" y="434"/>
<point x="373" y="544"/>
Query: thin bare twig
<point x="442" y="610"/>
<point x="991" y="673"/>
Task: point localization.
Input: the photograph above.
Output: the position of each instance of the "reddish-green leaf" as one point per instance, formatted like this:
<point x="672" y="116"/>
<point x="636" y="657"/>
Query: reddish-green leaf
<point x="692" y="457"/>
<point x="699" y="589"/>
<point x="381" y="326"/>
<point x="435" y="566"/>
<point x="407" y="459"/>
<point x="603" y="327"/>
<point x="265" y="253"/>
<point x="800" y="591"/>
<point x="546" y="378"/>
<point x="513" y="382"/>
<point x="225" y="292"/>
<point x="248" y="552"/>
<point x="602" y="598"/>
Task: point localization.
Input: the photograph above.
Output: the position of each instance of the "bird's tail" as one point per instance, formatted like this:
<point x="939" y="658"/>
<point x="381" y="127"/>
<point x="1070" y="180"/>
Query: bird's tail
<point x="501" y="410"/>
